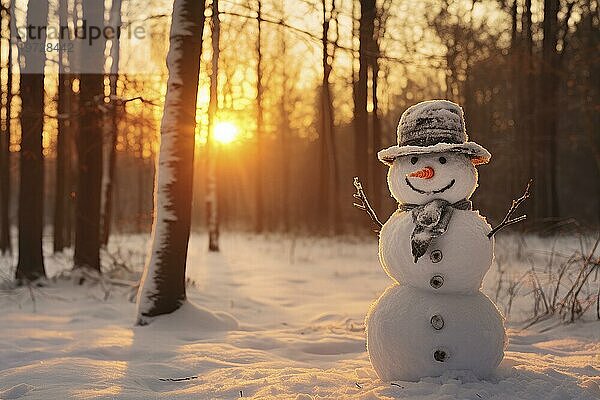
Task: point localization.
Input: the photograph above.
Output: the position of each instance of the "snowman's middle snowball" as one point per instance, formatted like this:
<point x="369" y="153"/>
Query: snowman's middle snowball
<point x="461" y="256"/>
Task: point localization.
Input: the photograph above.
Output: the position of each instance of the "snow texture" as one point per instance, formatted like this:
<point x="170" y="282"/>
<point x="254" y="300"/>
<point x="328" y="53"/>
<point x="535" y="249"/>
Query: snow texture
<point x="300" y="302"/>
<point x="471" y="336"/>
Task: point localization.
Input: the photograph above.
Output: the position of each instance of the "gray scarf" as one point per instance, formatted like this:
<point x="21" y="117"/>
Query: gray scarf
<point x="431" y="220"/>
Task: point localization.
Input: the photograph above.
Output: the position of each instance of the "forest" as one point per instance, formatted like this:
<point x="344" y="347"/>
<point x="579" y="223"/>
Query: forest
<point x="303" y="96"/>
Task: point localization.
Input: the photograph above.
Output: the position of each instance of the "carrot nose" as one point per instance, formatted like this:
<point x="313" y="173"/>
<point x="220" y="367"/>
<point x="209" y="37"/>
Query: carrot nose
<point x="425" y="173"/>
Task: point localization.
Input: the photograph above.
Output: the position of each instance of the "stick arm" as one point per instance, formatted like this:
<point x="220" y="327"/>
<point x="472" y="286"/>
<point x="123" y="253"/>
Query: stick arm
<point x="508" y="220"/>
<point x="364" y="203"/>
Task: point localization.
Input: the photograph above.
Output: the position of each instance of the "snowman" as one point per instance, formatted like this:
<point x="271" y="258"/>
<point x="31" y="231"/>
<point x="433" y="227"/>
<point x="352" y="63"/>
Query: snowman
<point x="437" y="249"/>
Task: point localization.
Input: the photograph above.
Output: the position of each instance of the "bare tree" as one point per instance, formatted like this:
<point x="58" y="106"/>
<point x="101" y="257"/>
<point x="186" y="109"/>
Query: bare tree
<point x="360" y="92"/>
<point x="329" y="179"/>
<point x="31" y="188"/>
<point x="162" y="289"/>
<point x="546" y="145"/>
<point x="284" y="134"/>
<point x="528" y="86"/>
<point x="89" y="147"/>
<point x="259" y="125"/>
<point x="5" y="244"/>
<point x="112" y="131"/>
<point x="62" y="193"/>
<point x="212" y="193"/>
<point x="378" y="170"/>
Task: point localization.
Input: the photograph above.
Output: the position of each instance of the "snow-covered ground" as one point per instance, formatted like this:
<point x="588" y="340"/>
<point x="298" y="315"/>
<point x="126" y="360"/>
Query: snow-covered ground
<point x="300" y="303"/>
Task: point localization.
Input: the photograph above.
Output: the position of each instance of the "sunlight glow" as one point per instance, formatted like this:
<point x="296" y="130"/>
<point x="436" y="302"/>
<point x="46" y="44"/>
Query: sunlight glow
<point x="225" y="132"/>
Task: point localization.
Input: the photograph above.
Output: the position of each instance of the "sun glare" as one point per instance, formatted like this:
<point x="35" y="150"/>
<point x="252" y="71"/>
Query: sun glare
<point x="225" y="132"/>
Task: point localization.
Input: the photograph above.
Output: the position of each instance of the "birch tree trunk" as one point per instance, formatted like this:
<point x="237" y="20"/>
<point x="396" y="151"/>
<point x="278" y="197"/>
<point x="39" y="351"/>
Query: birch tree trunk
<point x="162" y="289"/>
<point x="31" y="188"/>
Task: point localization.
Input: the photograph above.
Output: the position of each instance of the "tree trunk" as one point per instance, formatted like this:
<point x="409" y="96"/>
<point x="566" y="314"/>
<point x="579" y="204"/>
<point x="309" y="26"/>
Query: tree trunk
<point x="63" y="155"/>
<point x="329" y="180"/>
<point x="63" y="141"/>
<point x="324" y="209"/>
<point x="71" y="163"/>
<point x="516" y="92"/>
<point x="528" y="100"/>
<point x="5" y="244"/>
<point x="284" y="138"/>
<point x="546" y="145"/>
<point x="162" y="289"/>
<point x="141" y="166"/>
<point x="379" y="170"/>
<point x="212" y="193"/>
<point x="89" y="148"/>
<point x="108" y="176"/>
<point x="259" y="128"/>
<point x="361" y="128"/>
<point x="31" y="188"/>
<point x="333" y="158"/>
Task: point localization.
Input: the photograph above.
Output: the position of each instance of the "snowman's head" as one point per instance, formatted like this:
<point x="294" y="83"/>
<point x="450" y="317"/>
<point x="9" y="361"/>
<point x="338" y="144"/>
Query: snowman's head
<point x="420" y="178"/>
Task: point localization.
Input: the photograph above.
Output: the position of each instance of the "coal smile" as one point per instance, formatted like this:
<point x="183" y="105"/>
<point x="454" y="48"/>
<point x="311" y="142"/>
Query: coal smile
<point x="448" y="186"/>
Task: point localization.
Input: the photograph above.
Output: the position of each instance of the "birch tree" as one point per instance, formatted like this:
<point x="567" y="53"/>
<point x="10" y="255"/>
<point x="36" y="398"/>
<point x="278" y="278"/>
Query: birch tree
<point x="162" y="289"/>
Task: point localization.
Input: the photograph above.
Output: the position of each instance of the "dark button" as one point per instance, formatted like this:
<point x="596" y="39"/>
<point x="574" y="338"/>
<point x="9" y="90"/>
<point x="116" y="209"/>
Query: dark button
<point x="436" y="256"/>
<point x="436" y="281"/>
<point x="437" y="322"/>
<point x="440" y="355"/>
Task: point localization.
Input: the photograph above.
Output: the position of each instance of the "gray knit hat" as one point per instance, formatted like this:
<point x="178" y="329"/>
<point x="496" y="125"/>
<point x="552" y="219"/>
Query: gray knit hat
<point x="433" y="126"/>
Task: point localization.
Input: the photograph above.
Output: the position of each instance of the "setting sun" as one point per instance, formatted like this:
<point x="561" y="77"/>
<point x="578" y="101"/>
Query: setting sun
<point x="225" y="132"/>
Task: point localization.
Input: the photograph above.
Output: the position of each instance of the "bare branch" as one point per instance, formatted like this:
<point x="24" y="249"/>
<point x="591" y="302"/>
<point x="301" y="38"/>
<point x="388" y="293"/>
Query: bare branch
<point x="365" y="205"/>
<point x="121" y="101"/>
<point x="507" y="218"/>
<point x="187" y="378"/>
<point x="314" y="37"/>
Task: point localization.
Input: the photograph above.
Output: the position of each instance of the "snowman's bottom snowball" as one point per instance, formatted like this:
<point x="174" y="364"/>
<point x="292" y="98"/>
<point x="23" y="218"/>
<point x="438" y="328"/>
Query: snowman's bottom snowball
<point x="404" y="345"/>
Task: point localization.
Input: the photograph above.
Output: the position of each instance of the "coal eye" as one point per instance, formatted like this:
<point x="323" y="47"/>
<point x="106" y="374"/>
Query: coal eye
<point x="414" y="160"/>
<point x="442" y="160"/>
